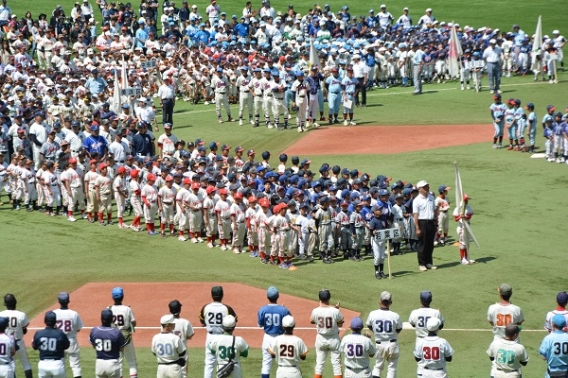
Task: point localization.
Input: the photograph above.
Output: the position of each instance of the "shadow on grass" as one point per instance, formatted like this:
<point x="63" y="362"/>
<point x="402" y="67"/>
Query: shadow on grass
<point x="403" y="273"/>
<point x="373" y="105"/>
<point x="486" y="259"/>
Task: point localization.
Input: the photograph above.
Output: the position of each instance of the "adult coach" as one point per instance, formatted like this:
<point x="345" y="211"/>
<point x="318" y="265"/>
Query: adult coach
<point x="357" y="350"/>
<point x="492" y="56"/>
<point x="167" y="96"/>
<point x="327" y="319"/>
<point x="288" y="350"/>
<point x="169" y="349"/>
<point x="211" y="316"/>
<point x="183" y="328"/>
<point x="7" y="350"/>
<point x="433" y="352"/>
<point x="425" y="213"/>
<point x="227" y="347"/>
<point x="507" y="355"/>
<point x="561" y="301"/>
<point x="70" y="323"/>
<point x="17" y="327"/>
<point x="52" y="344"/>
<point x="124" y="321"/>
<point x="108" y="342"/>
<point x="503" y="313"/>
<point x="386" y="325"/>
<point x="270" y="318"/>
<point x="554" y="349"/>
<point x="419" y="317"/>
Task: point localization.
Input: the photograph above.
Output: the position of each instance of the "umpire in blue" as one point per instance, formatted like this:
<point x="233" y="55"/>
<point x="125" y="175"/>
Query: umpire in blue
<point x="51" y="343"/>
<point x="108" y="343"/>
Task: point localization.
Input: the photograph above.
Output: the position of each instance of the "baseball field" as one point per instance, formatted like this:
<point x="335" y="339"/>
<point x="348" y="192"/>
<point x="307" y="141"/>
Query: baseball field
<point x="519" y="219"/>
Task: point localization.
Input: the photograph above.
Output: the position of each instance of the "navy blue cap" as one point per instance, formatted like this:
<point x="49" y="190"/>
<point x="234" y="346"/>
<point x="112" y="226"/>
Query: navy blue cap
<point x="356" y="323"/>
<point x="50" y="318"/>
<point x="63" y="297"/>
<point x="426" y="296"/>
<point x="3" y="323"/>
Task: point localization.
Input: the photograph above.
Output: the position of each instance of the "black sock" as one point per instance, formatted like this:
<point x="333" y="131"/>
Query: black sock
<point x="494" y="140"/>
<point x="381" y="266"/>
<point x="376" y="268"/>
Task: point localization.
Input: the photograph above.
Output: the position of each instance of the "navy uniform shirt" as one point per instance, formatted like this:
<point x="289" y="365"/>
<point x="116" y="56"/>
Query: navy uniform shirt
<point x="376" y="224"/>
<point x="107" y="342"/>
<point x="51" y="343"/>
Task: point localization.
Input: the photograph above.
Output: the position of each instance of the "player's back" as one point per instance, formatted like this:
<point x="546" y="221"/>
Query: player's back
<point x="419" y="317"/>
<point x="213" y="314"/>
<point x="7" y="349"/>
<point x="270" y="318"/>
<point x="433" y="351"/>
<point x="51" y="343"/>
<point x="166" y="347"/>
<point x="507" y="354"/>
<point x="326" y="319"/>
<point x="357" y="348"/>
<point x="549" y="316"/>
<point x="183" y="329"/>
<point x="107" y="342"/>
<point x="288" y="349"/>
<point x="17" y="321"/>
<point x="68" y="321"/>
<point x="384" y="324"/>
<point x="501" y="315"/>
<point x="122" y="316"/>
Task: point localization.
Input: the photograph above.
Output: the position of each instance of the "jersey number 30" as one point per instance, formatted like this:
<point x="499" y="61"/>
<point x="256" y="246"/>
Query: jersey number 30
<point x="431" y="353"/>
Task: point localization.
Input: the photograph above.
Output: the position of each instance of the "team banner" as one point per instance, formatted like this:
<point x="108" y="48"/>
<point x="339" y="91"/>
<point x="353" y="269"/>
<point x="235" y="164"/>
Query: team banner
<point x="460" y="203"/>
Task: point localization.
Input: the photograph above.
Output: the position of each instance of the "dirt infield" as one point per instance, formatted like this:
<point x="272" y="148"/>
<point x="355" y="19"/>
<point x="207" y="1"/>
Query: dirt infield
<point x="149" y="301"/>
<point x="349" y="140"/>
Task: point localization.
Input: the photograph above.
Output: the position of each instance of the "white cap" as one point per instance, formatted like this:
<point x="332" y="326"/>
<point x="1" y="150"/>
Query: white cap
<point x="492" y="41"/>
<point x="229" y="321"/>
<point x="167" y="319"/>
<point x="142" y="99"/>
<point x="428" y="10"/>
<point x="555" y="32"/>
<point x="288" y="321"/>
<point x="421" y="184"/>
<point x="383" y="6"/>
<point x="356" y="56"/>
<point x="433" y="324"/>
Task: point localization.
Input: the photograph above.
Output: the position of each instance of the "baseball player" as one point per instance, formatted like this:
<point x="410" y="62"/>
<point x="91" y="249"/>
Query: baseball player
<point x="278" y="89"/>
<point x="256" y="91"/>
<point x="323" y="220"/>
<point x="386" y="325"/>
<point x="135" y="201"/>
<point x="166" y="206"/>
<point x="245" y="95"/>
<point x="463" y="236"/>
<point x="531" y="126"/>
<point x="262" y="229"/>
<point x="182" y="208"/>
<point x="554" y="349"/>
<point x="300" y="89"/>
<point x="357" y="350"/>
<point x="267" y="95"/>
<point x="237" y="210"/>
<point x="432" y="352"/>
<point x="169" y="349"/>
<point x="17" y="327"/>
<point x="497" y="110"/>
<point x="108" y="342"/>
<point x="443" y="205"/>
<point x="507" y="355"/>
<point x="270" y="318"/>
<point x="223" y="211"/>
<point x="124" y="321"/>
<point x="344" y="227"/>
<point x="280" y="224"/>
<point x="334" y="94"/>
<point x="72" y="179"/>
<point x="103" y="190"/>
<point x="377" y="243"/>
<point x="90" y="192"/>
<point x="503" y="313"/>
<point x="227" y="347"/>
<point x="120" y="194"/>
<point x="220" y="84"/>
<point x="288" y="350"/>
<point x="419" y="317"/>
<point x="149" y="195"/>
<point x="7" y="351"/>
<point x="548" y="134"/>
<point x="52" y="344"/>
<point x="211" y="316"/>
<point x="51" y="189"/>
<point x="183" y="328"/>
<point x="511" y="124"/>
<point x="357" y="223"/>
<point x="561" y="301"/>
<point x="327" y="319"/>
<point x="350" y="92"/>
<point x="70" y="323"/>
<point x="250" y="220"/>
<point x="209" y="216"/>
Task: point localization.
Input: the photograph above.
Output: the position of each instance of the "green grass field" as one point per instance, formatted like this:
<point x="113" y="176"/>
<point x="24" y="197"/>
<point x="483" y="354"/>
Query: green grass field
<point x="517" y="200"/>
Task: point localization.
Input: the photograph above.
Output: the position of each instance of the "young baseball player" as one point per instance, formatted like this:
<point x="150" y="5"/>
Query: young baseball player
<point x="443" y="205"/>
<point x="90" y="192"/>
<point x="350" y="92"/>
<point x="228" y="347"/>
<point x="209" y="216"/>
<point x="561" y="301"/>
<point x="281" y="227"/>
<point x="357" y="350"/>
<point x="521" y="119"/>
<point x="181" y="208"/>
<point x="386" y="325"/>
<point x="531" y="126"/>
<point x="169" y="349"/>
<point x="8" y="351"/>
<point x="548" y="135"/>
<point x="194" y="205"/>
<point x="300" y="89"/>
<point x="107" y="342"/>
<point x="120" y="195"/>
<point x="149" y="195"/>
<point x="432" y="352"/>
<point x="511" y="124"/>
<point x="288" y="351"/>
<point x="278" y="89"/>
<point x="552" y="348"/>
<point x="123" y="319"/>
<point x="51" y="190"/>
<point x="377" y="243"/>
<point x="503" y="313"/>
<point x="223" y="211"/>
<point x="463" y="236"/>
<point x="51" y="360"/>
<point x="16" y="328"/>
<point x="334" y="94"/>
<point x="323" y="221"/>
<point x="357" y="224"/>
<point x="327" y="319"/>
<point x="263" y="233"/>
<point x="497" y="110"/>
<point x="183" y="328"/>
<point x="344" y="229"/>
<point x="245" y="96"/>
<point x="220" y="84"/>
<point x="256" y="90"/>
<point x="70" y="323"/>
<point x="507" y="355"/>
<point x="252" y="226"/>
<point x="103" y="190"/>
<point x="166" y="205"/>
<point x="419" y="317"/>
<point x="237" y="211"/>
<point x="302" y="222"/>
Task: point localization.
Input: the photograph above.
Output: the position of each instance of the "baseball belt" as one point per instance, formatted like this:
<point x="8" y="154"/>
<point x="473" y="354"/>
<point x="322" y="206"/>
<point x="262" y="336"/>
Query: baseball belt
<point x="335" y="92"/>
<point x="384" y="342"/>
<point x="429" y="368"/>
<point x="357" y="370"/>
<point x="290" y="366"/>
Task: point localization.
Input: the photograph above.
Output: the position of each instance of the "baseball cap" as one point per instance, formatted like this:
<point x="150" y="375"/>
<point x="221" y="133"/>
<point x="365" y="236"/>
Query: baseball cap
<point x="421" y="184"/>
<point x="559" y="320"/>
<point x="3" y="323"/>
<point x="505" y="289"/>
<point x="63" y="297"/>
<point x="562" y="298"/>
<point x="288" y="321"/>
<point x="324" y="295"/>
<point x="272" y="293"/>
<point x="217" y="291"/>
<point x="443" y="187"/>
<point x="50" y="318"/>
<point x="550" y="108"/>
<point x="175" y="306"/>
<point x="356" y="323"/>
<point x="426" y="296"/>
<point x="385" y="296"/>
<point x="167" y="319"/>
<point x="106" y="315"/>
<point x="117" y="292"/>
<point x="433" y="324"/>
<point x="229" y="321"/>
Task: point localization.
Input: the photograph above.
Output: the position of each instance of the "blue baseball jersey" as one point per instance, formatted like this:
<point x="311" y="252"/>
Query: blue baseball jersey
<point x="531" y="119"/>
<point x="366" y="213"/>
<point x="497" y="110"/>
<point x="557" y="128"/>
<point x="107" y="342"/>
<point x="334" y="84"/>
<point x="270" y="318"/>
<point x="554" y="348"/>
<point x="349" y="85"/>
<point x="376" y="224"/>
<point x="548" y="132"/>
<point x="95" y="144"/>
<point x="51" y="343"/>
<point x="387" y="209"/>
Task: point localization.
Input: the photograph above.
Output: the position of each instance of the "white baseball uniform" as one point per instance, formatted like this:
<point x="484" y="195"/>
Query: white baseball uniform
<point x="168" y="348"/>
<point x="357" y="349"/>
<point x="327" y="319"/>
<point x="385" y="324"/>
<point x="419" y="317"/>
<point x="432" y="352"/>
<point x="288" y="350"/>
<point x="222" y="347"/>
<point x="123" y="318"/>
<point x="70" y="323"/>
<point x="17" y="321"/>
<point x="507" y="357"/>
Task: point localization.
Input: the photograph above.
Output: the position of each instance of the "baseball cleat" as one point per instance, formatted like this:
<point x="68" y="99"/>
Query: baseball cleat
<point x="102" y="223"/>
<point x="422" y="268"/>
<point x="220" y="120"/>
<point x="263" y="261"/>
<point x="303" y="257"/>
<point x="436" y="243"/>
<point x="182" y="238"/>
<point x="240" y="122"/>
<point x="236" y="251"/>
<point x="223" y="247"/>
<point x="251" y="121"/>
<point x="383" y="275"/>
<point x="110" y="222"/>
<point x="378" y="275"/>
<point x="210" y="245"/>
<point x="273" y="262"/>
<point x="499" y="145"/>
<point x="311" y="259"/>
<point x="471" y="261"/>
<point x="71" y="219"/>
<point x="194" y="240"/>
<point x="163" y="234"/>
<point x="335" y="120"/>
<point x="269" y="126"/>
<point x="465" y="262"/>
<point x="199" y="239"/>
<point x="326" y="261"/>
<point x="345" y="123"/>
<point x="152" y="233"/>
<point x="351" y="123"/>
<point x="430" y="266"/>
<point x="468" y="87"/>
<point x="462" y="87"/>
<point x="283" y="266"/>
<point x="316" y="125"/>
<point x="494" y="146"/>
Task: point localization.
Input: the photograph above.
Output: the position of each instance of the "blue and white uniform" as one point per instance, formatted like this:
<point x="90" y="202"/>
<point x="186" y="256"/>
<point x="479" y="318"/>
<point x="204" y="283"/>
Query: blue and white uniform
<point x="108" y="342"/>
<point x="270" y="319"/>
<point x="349" y="86"/>
<point x="554" y="348"/>
<point x="51" y="343"/>
<point x="497" y="113"/>
<point x="334" y="90"/>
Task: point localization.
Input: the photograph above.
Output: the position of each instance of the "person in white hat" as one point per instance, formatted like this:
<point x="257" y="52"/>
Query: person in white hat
<point x="492" y="56"/>
<point x="425" y="213"/>
<point x="432" y="352"/>
<point x="427" y="19"/>
<point x="559" y="42"/>
<point x="405" y="20"/>
<point x="385" y="18"/>
<point x="227" y="347"/>
<point x="169" y="349"/>
<point x="288" y="350"/>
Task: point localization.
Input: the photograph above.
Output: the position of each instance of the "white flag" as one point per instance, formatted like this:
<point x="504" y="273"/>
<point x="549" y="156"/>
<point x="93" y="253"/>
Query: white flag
<point x="454" y="53"/>
<point x="314" y="58"/>
<point x="537" y="43"/>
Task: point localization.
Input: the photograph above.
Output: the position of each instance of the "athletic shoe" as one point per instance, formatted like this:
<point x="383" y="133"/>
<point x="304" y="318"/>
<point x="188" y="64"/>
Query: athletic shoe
<point x="430" y="266"/>
<point x="270" y="126"/>
<point x="352" y="123"/>
<point x="172" y="233"/>
<point x="550" y="160"/>
<point x="300" y="129"/>
<point x="462" y="87"/>
<point x="316" y="125"/>
<point x="468" y="87"/>
<point x="84" y="216"/>
<point x="194" y="240"/>
<point x="516" y="148"/>
<point x="494" y="146"/>
<point x="283" y="266"/>
<point x="378" y="275"/>
<point x="322" y="118"/>
<point x="465" y="262"/>
<point x="240" y="122"/>
<point x="251" y="121"/>
<point x="210" y="245"/>
<point x="435" y="243"/>
<point x="345" y="123"/>
<point x="200" y="240"/>
<point x="163" y="234"/>
<point x="152" y="233"/>
<point x="102" y="223"/>
<point x="383" y="275"/>
<point x="422" y="268"/>
<point x="206" y="103"/>
<point x="331" y="260"/>
<point x="499" y="145"/>
<point x="273" y="262"/>
<point x="509" y="148"/>
<point x="220" y="120"/>
<point x="110" y="223"/>
<point x="326" y="260"/>
<point x="230" y="119"/>
<point x="310" y="259"/>
<point x="491" y="92"/>
<point x="236" y="251"/>
<point x="223" y="247"/>
<point x="71" y="219"/>
<point x="303" y="257"/>
<point x="182" y="238"/>
<point x="263" y="261"/>
<point x="472" y="261"/>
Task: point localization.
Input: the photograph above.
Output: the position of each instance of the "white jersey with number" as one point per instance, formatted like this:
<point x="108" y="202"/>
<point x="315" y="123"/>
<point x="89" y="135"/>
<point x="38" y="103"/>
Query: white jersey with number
<point x="419" y="317"/>
<point x="507" y="355"/>
<point x="288" y="350"/>
<point x="501" y="315"/>
<point x="17" y="321"/>
<point x="7" y="349"/>
<point x="326" y="319"/>
<point x="222" y="346"/>
<point x="212" y="316"/>
<point x="183" y="329"/>
<point x="432" y="352"/>
<point x="384" y="324"/>
<point x="357" y="349"/>
<point x="548" y="318"/>
<point x="167" y="347"/>
<point x="122" y="317"/>
<point x="69" y="322"/>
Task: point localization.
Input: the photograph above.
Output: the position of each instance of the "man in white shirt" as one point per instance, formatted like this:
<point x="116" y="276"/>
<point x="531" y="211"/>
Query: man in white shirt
<point x="424" y="212"/>
<point x="167" y="95"/>
<point x="492" y="56"/>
